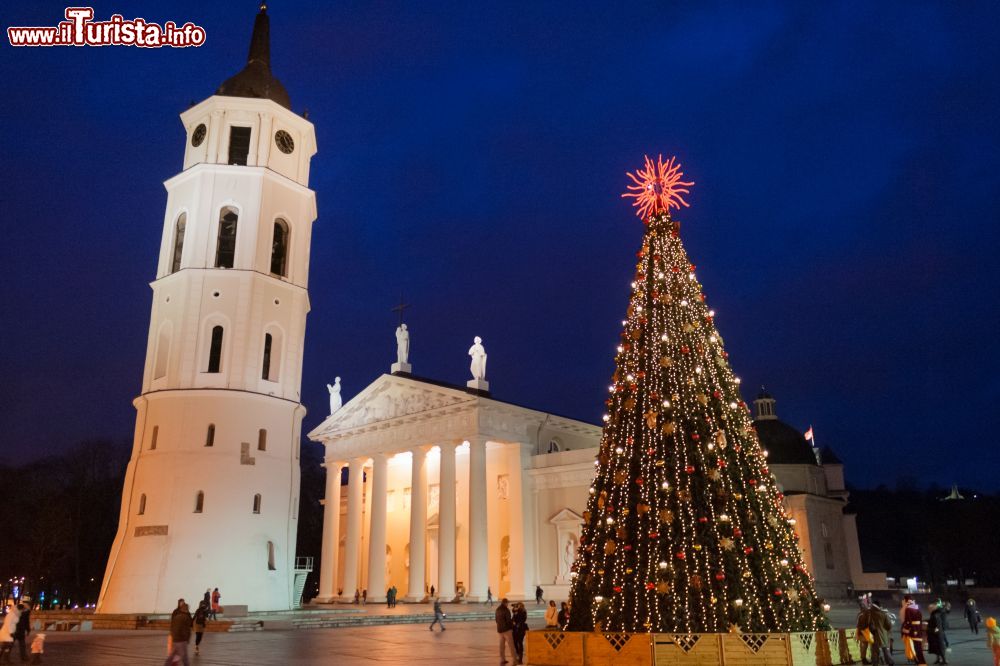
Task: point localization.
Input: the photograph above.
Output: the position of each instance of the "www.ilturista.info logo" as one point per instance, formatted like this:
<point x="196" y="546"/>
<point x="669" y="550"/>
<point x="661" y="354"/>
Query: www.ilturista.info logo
<point x="79" y="29"/>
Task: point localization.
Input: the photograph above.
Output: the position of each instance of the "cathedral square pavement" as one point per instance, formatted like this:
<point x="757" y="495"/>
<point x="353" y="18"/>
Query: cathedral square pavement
<point x="465" y="643"/>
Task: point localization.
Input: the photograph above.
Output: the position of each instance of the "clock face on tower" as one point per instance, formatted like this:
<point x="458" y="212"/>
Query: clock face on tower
<point x="284" y="141"/>
<point x="198" y="135"/>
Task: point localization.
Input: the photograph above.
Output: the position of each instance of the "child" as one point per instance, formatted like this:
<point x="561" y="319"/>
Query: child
<point x="37" y="648"/>
<point x="993" y="639"/>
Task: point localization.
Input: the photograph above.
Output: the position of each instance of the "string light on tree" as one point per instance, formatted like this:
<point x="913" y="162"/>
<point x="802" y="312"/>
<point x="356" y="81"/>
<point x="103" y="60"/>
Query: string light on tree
<point x="684" y="530"/>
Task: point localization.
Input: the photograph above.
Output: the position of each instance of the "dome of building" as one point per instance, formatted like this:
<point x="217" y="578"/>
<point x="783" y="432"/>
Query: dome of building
<point x="784" y="444"/>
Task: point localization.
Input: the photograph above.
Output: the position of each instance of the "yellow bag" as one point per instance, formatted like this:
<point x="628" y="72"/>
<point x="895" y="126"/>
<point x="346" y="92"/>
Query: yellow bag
<point x="867" y="635"/>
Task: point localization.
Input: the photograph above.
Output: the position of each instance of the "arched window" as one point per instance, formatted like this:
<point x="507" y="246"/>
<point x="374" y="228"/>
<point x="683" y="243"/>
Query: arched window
<point x="554" y="446"/>
<point x="215" y="350"/>
<point x="265" y="372"/>
<point x="225" y="246"/>
<point x="256" y="503"/>
<point x="153" y="438"/>
<point x="210" y="436"/>
<point x="199" y="502"/>
<point x="162" y="352"/>
<point x="270" y="556"/>
<point x="279" y="248"/>
<point x="142" y="504"/>
<point x="175" y="261"/>
<point x="262" y="440"/>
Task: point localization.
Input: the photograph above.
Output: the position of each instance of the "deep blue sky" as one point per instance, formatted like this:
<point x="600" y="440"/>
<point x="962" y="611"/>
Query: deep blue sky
<point x="844" y="221"/>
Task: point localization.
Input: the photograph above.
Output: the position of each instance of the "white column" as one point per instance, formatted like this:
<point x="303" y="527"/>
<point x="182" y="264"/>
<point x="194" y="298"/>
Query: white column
<point x="418" y="525"/>
<point x="446" y="522"/>
<point x="522" y="521"/>
<point x="352" y="551"/>
<point x="376" y="539"/>
<point x="331" y="532"/>
<point x="478" y="533"/>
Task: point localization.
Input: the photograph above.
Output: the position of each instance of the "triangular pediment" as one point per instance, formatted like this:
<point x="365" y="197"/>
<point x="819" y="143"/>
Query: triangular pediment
<point x="566" y="516"/>
<point x="388" y="398"/>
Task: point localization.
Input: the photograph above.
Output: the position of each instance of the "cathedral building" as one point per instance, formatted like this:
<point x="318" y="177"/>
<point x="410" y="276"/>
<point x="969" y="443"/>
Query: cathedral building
<point x="451" y="488"/>
<point x="211" y="491"/>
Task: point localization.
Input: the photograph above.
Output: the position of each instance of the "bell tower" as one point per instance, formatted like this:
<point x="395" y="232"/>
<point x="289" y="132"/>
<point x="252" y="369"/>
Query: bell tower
<point x="212" y="488"/>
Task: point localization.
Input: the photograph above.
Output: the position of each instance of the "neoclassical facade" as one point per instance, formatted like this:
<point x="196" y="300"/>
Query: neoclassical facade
<point x="451" y="488"/>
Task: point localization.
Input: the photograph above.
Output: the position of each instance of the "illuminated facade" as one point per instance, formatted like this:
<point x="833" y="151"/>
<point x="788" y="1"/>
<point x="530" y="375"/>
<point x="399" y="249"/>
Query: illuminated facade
<point x="520" y="480"/>
<point x="212" y="488"/>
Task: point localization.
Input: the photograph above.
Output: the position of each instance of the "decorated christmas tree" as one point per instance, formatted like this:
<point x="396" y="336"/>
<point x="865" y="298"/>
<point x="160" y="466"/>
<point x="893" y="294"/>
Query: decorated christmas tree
<point x="684" y="530"/>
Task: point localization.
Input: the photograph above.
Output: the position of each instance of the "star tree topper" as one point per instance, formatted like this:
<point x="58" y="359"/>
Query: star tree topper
<point x="658" y="187"/>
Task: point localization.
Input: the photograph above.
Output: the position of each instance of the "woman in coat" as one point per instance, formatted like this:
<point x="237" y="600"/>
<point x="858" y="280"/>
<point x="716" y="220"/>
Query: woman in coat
<point x="200" y="620"/>
<point x="7" y="632"/>
<point x="551" y="615"/>
<point x="563" y="618"/>
<point x="520" y="620"/>
<point x="913" y="631"/>
<point x="935" y="634"/>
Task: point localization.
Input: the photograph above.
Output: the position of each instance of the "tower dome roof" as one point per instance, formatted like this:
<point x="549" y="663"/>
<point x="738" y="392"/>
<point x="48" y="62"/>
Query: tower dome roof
<point x="256" y="79"/>
<point x="784" y="444"/>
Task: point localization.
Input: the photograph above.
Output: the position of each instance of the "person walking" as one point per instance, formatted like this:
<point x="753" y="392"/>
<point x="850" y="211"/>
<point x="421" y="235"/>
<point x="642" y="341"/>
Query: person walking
<point x="880" y="625"/>
<point x="22" y="630"/>
<point x="552" y="615"/>
<point x="538" y="595"/>
<point x="180" y="634"/>
<point x="972" y="615"/>
<point x="913" y="631"/>
<point x="864" y="620"/>
<point x="936" y="634"/>
<point x="216" y="608"/>
<point x="519" y="618"/>
<point x="200" y="622"/>
<point x="505" y="629"/>
<point x="7" y="630"/>
<point x="438" y="614"/>
<point x="364" y="596"/>
<point x="489" y="597"/>
<point x="993" y="639"/>
<point x="432" y="591"/>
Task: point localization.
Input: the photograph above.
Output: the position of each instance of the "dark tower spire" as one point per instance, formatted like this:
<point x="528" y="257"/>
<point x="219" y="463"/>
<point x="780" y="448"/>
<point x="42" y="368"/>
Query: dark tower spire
<point x="256" y="79"/>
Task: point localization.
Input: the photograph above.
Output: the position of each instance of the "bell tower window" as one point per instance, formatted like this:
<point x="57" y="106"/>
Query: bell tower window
<point x="175" y="262"/>
<point x="225" y="246"/>
<point x="279" y="248"/>
<point x="215" y="350"/>
<point x="266" y="371"/>
<point x="239" y="145"/>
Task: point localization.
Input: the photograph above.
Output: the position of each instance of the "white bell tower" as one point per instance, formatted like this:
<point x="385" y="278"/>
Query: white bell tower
<point x="212" y="489"/>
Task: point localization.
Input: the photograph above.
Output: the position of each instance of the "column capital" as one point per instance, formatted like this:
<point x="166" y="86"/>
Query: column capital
<point x="421" y="450"/>
<point x="333" y="464"/>
<point x="451" y="444"/>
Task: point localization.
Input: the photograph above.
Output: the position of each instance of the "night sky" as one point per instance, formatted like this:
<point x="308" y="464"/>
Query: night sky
<point x="844" y="221"/>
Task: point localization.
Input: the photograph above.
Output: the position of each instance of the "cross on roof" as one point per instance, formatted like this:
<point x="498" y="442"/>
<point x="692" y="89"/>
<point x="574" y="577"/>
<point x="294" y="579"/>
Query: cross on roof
<point x="400" y="308"/>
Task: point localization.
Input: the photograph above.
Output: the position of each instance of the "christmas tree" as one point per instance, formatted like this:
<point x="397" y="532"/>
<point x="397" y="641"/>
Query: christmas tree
<point x="684" y="530"/>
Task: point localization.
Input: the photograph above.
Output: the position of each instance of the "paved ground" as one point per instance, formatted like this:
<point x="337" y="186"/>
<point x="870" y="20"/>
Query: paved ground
<point x="471" y="643"/>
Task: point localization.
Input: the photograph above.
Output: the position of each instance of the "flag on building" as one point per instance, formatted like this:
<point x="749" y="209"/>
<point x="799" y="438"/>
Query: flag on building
<point x="809" y="434"/>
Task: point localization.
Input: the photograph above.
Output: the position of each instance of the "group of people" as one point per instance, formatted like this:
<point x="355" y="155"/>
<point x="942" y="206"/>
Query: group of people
<point x="15" y="628"/>
<point x="875" y="626"/>
<point x="557" y="618"/>
<point x="183" y="623"/>
<point x="390" y="597"/>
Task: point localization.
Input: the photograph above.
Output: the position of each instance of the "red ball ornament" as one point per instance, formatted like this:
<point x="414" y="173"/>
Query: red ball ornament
<point x="654" y="535"/>
<point x="695" y="436"/>
<point x="640" y="481"/>
<point x="681" y="555"/>
<point x="702" y="297"/>
<point x="777" y="593"/>
<point x="685" y="349"/>
<point x="752" y="482"/>
<point x="689" y="469"/>
<point x="748" y="550"/>
<point x="628" y="547"/>
<point x="702" y="519"/>
<point x="617" y="588"/>
<point x="650" y="586"/>
<point x="716" y="394"/>
<point x="674" y="269"/>
<point x="737" y="533"/>
<point x="650" y="451"/>
<point x="720" y="576"/>
<point x="692" y="267"/>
